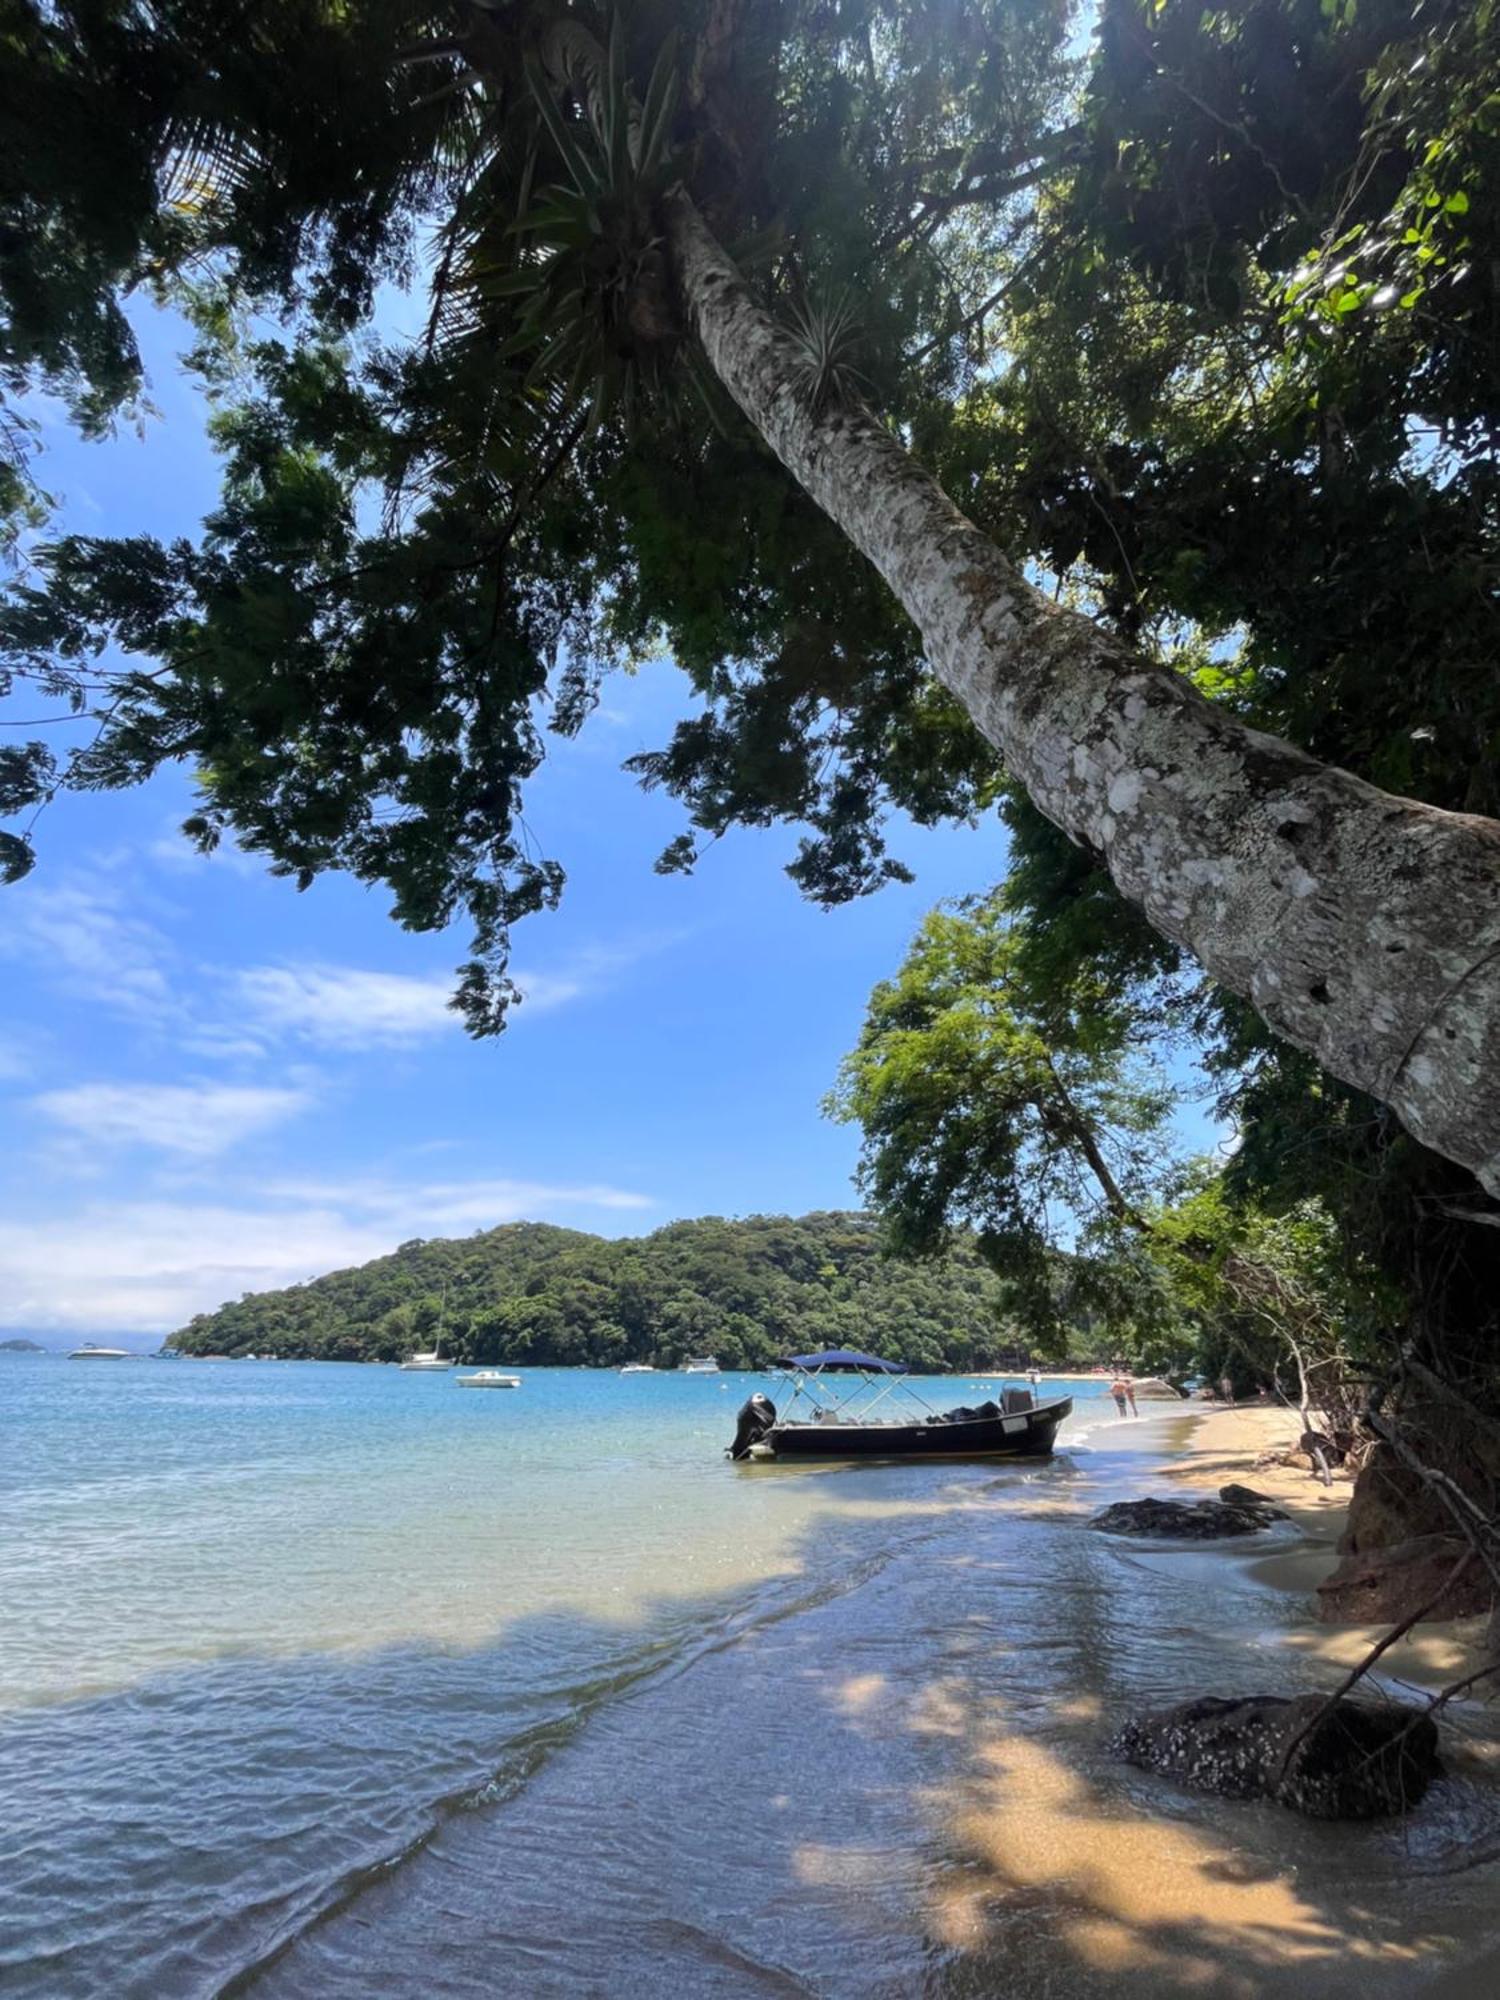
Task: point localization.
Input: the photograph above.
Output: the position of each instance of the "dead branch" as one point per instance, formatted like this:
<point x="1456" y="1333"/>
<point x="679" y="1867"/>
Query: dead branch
<point x="1383" y="1645"/>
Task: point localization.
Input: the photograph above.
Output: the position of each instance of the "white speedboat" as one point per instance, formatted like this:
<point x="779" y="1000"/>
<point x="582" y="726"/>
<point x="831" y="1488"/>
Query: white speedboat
<point x="637" y="1368"/>
<point x="704" y="1364"/>
<point x="91" y="1351"/>
<point x="488" y="1378"/>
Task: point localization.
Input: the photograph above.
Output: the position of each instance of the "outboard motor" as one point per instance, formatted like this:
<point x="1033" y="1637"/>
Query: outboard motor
<point x="755" y="1419"/>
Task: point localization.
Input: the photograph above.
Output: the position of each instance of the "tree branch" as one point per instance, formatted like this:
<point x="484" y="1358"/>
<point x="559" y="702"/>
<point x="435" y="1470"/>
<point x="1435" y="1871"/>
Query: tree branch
<point x="1382" y="1645"/>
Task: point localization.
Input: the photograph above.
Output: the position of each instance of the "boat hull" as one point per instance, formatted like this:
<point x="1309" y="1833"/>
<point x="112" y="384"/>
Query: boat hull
<point x="1022" y="1434"/>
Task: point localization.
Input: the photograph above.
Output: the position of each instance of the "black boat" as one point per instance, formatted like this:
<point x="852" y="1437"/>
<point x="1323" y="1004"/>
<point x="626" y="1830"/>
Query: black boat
<point x="829" y="1420"/>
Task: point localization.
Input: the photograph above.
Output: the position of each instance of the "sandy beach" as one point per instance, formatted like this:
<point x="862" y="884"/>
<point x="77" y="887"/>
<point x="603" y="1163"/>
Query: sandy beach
<point x="1149" y="1889"/>
<point x="1223" y="1448"/>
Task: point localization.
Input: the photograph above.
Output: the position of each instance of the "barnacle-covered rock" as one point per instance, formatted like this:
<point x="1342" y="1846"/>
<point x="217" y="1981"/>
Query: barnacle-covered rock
<point x="1344" y="1761"/>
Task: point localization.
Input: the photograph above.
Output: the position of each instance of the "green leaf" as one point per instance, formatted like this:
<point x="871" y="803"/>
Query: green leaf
<point x="17" y="857"/>
<point x="615" y="109"/>
<point x="583" y="176"/>
<point x="656" y="112"/>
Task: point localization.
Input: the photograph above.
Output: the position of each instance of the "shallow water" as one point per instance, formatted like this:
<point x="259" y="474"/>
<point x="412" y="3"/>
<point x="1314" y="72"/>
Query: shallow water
<point x="333" y="1681"/>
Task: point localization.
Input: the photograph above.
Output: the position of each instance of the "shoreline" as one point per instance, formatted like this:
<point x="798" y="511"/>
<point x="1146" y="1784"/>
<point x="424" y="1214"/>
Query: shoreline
<point x="1223" y="1448"/>
<point x="1152" y="1889"/>
<point x="636" y="1720"/>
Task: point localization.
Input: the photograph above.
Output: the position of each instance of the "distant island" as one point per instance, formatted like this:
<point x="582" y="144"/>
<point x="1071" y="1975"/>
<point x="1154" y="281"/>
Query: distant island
<point x="745" y="1291"/>
<point x="21" y="1347"/>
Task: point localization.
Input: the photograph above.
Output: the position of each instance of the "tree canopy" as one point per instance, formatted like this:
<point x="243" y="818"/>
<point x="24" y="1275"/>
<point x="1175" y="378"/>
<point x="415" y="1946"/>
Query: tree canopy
<point x="991" y="1109"/>
<point x="1199" y="319"/>
<point x="1026" y="1120"/>
<point x="746" y="1291"/>
<point x="427" y="555"/>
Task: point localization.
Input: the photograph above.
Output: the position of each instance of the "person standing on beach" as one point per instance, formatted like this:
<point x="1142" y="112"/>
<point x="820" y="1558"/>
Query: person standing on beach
<point x="1130" y="1392"/>
<point x="1119" y="1389"/>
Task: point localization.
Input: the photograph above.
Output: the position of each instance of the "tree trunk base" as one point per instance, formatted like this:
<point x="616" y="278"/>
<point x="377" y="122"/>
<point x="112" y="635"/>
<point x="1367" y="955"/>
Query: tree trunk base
<point x="1385" y="1586"/>
<point x="1402" y="1544"/>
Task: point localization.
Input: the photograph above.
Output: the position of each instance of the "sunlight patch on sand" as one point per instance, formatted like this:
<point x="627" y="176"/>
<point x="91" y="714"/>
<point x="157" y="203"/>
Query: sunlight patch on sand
<point x="1036" y="1824"/>
<point x="1430" y="1657"/>
<point x="1121" y="1895"/>
<point x="943" y="1708"/>
<point x="859" y="1693"/>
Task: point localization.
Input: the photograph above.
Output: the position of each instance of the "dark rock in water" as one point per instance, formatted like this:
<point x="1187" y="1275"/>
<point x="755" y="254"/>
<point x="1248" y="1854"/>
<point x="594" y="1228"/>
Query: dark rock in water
<point x="1184" y="1521"/>
<point x="1383" y="1586"/>
<point x="1354" y="1762"/>
<point x="1246" y="1496"/>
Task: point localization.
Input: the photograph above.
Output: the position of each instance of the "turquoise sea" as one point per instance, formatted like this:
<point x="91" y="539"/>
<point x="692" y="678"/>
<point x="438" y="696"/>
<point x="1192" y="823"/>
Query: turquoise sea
<point x="328" y="1680"/>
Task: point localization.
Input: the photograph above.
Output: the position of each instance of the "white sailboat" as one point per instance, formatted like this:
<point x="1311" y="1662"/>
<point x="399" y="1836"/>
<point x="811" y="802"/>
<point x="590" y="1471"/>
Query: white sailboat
<point x="434" y="1361"/>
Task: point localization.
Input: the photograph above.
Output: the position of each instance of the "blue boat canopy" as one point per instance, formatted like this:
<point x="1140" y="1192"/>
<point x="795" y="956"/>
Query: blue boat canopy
<point x="843" y="1358"/>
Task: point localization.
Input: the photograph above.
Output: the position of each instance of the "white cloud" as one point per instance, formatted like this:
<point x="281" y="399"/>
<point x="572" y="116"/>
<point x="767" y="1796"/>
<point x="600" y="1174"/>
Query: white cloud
<point x="195" y="1121"/>
<point x="343" y="1006"/>
<point x="138" y="1267"/>
<point x="438" y="1207"/>
<point x="82" y="943"/>
<point x="92" y="945"/>
<point x="541" y="991"/>
<point x="349" y="1007"/>
<point x="177" y="854"/>
<point x="144" y="1267"/>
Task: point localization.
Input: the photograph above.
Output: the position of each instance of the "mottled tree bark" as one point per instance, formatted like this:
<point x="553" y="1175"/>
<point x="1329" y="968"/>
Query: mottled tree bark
<point x="1363" y="927"/>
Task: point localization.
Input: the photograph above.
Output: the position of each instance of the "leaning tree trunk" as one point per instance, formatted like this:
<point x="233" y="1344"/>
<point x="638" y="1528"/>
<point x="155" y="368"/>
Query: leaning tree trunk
<point x="1363" y="927"/>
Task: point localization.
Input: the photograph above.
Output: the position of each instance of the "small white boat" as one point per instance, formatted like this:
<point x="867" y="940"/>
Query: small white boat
<point x="434" y="1361"/>
<point x="90" y="1351"/>
<point x="637" y="1368"/>
<point x="488" y="1378"/>
<point x="430" y="1363"/>
<point x="704" y="1364"/>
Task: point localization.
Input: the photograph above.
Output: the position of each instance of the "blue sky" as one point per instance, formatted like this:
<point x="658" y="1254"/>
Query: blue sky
<point x="210" y="1084"/>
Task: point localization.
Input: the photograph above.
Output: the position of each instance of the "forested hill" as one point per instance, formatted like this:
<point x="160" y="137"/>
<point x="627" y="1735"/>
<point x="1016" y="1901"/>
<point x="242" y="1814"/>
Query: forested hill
<point x="745" y="1291"/>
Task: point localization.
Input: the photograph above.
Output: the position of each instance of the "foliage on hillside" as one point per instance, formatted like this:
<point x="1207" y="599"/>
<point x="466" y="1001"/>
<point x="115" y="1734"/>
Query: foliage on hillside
<point x="746" y="1291"/>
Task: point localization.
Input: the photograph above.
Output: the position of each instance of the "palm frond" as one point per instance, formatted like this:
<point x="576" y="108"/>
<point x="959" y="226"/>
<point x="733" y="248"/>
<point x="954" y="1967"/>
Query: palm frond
<point x="828" y="341"/>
